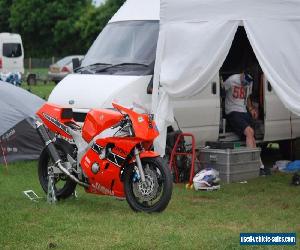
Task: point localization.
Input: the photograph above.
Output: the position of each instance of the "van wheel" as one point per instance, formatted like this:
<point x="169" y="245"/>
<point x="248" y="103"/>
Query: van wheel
<point x="287" y="149"/>
<point x="31" y="79"/>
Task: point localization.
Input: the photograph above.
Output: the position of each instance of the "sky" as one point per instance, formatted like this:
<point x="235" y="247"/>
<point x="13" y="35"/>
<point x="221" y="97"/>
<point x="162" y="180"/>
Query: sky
<point x="98" y="2"/>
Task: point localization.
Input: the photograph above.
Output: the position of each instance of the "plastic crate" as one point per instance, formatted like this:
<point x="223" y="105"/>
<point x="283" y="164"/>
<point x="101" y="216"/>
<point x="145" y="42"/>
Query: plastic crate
<point x="234" y="165"/>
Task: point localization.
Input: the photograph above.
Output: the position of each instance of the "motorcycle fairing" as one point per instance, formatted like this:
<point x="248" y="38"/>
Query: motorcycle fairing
<point x="55" y="118"/>
<point x="107" y="180"/>
<point x="144" y="128"/>
<point x="97" y="120"/>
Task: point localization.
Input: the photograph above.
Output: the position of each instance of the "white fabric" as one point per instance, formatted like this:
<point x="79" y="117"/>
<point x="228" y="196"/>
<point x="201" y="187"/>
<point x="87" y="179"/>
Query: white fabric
<point x="181" y="72"/>
<point x="195" y="37"/>
<point x="204" y="10"/>
<point x="137" y="10"/>
<point x="276" y="44"/>
<point x="236" y="94"/>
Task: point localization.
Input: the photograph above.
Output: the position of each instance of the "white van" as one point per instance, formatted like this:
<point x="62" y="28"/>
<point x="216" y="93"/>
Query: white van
<point x="120" y="65"/>
<point x="11" y="53"/>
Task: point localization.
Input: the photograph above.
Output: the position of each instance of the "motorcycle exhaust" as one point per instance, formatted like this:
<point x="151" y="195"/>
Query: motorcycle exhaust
<point x="40" y="127"/>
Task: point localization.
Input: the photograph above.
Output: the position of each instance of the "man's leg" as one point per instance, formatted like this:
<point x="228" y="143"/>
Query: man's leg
<point x="250" y="140"/>
<point x="251" y="143"/>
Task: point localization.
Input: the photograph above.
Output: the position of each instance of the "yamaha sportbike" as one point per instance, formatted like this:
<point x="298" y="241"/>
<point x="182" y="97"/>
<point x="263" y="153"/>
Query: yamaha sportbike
<point x="110" y="154"/>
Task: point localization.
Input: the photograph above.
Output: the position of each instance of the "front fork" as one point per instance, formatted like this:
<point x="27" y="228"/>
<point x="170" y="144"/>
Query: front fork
<point x="139" y="164"/>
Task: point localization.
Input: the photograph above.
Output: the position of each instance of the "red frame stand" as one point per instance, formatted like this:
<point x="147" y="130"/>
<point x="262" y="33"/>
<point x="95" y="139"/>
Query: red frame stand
<point x="172" y="163"/>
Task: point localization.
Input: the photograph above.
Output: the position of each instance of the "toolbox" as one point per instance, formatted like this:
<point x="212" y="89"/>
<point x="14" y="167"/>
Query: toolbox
<point x="234" y="165"/>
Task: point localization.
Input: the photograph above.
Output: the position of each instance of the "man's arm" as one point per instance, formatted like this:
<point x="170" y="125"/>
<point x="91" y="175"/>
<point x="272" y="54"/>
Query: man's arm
<point x="227" y="84"/>
<point x="252" y="109"/>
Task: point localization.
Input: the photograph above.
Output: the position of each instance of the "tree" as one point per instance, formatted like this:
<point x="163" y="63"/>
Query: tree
<point x="94" y="20"/>
<point x="4" y="15"/>
<point x="47" y="28"/>
<point x="57" y="27"/>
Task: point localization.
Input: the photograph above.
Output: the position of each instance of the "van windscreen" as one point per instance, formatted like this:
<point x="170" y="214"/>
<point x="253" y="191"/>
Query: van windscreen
<point x="125" y="42"/>
<point x="12" y="50"/>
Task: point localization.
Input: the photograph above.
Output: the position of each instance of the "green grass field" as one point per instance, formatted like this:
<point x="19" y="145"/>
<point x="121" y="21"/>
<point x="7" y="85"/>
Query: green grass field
<point x="193" y="220"/>
<point x="41" y="89"/>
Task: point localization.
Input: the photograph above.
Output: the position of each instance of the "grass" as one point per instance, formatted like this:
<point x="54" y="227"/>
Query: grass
<point x="42" y="72"/>
<point x="193" y="220"/>
<point x="41" y="89"/>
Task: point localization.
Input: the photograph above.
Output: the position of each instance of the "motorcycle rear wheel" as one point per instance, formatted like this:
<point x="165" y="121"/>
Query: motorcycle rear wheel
<point x="155" y="194"/>
<point x="63" y="186"/>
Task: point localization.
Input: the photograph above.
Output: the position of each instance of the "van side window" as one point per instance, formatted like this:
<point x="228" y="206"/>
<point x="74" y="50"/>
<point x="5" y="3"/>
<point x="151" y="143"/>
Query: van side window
<point x="12" y="50"/>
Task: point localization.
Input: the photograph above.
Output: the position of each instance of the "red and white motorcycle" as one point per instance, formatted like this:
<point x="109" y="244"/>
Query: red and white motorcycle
<point x="122" y="164"/>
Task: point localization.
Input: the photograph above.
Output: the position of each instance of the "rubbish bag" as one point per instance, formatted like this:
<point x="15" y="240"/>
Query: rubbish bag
<point x="13" y="78"/>
<point x="293" y="166"/>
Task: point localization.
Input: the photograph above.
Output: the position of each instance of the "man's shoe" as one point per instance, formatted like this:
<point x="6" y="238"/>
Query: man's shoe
<point x="264" y="171"/>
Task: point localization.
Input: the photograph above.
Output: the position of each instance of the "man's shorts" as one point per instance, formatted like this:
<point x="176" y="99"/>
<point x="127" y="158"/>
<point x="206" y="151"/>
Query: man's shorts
<point x="239" y="121"/>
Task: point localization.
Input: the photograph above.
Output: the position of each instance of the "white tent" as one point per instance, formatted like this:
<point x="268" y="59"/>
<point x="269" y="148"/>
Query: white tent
<point x="195" y="38"/>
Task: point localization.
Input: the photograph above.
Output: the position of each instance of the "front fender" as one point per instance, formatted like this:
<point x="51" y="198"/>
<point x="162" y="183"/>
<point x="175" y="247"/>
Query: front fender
<point x="148" y="154"/>
<point x="145" y="154"/>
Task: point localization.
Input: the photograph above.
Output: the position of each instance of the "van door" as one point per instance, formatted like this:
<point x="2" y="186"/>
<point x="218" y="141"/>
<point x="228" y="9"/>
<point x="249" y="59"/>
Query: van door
<point x="277" y="117"/>
<point x="200" y="114"/>
<point x="12" y="56"/>
<point x="295" y="132"/>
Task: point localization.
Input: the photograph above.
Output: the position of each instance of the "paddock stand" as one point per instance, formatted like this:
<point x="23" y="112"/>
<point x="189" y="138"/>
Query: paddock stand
<point x="192" y="153"/>
<point x="51" y="196"/>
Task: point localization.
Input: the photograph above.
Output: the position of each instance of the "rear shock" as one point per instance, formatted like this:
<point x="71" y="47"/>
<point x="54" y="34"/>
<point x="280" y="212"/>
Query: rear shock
<point x="40" y="127"/>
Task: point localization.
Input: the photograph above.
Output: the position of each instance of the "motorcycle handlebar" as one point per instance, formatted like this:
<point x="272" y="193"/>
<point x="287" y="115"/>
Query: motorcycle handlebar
<point x="121" y="123"/>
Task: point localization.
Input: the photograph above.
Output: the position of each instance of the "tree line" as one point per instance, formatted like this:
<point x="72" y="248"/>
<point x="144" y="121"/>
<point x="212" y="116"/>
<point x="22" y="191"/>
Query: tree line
<point x="56" y="27"/>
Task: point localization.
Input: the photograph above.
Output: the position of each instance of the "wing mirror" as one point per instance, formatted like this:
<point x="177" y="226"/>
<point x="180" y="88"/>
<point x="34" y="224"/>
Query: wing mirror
<point x="76" y="63"/>
<point x="150" y="87"/>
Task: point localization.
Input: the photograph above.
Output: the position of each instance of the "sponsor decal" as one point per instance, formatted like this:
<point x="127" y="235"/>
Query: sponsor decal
<point x="56" y="123"/>
<point x="140" y="119"/>
<point x="13" y="150"/>
<point x="87" y="160"/>
<point x="96" y="188"/>
<point x="111" y="156"/>
<point x="7" y="135"/>
<point x="120" y="150"/>
<point x="97" y="148"/>
<point x="8" y="150"/>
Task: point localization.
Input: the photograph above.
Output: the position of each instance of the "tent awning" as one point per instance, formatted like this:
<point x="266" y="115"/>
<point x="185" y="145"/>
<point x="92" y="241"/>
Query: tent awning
<point x="195" y="38"/>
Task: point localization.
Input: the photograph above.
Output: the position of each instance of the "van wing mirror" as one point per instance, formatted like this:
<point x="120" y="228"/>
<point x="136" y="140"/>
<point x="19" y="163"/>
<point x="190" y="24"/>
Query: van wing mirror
<point x="76" y="63"/>
<point x="150" y="87"/>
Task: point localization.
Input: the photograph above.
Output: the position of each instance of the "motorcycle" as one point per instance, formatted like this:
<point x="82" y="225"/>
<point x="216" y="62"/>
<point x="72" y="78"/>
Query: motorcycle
<point x="110" y="154"/>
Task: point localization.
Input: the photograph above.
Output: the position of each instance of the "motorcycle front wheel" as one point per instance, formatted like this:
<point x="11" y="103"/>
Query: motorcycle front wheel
<point x="155" y="193"/>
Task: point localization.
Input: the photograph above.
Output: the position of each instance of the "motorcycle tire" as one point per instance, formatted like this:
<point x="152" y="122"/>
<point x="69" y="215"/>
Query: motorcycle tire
<point x="156" y="194"/>
<point x="66" y="187"/>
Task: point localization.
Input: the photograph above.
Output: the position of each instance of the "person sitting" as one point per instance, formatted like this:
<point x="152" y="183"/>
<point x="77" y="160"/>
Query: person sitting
<point x="239" y="108"/>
